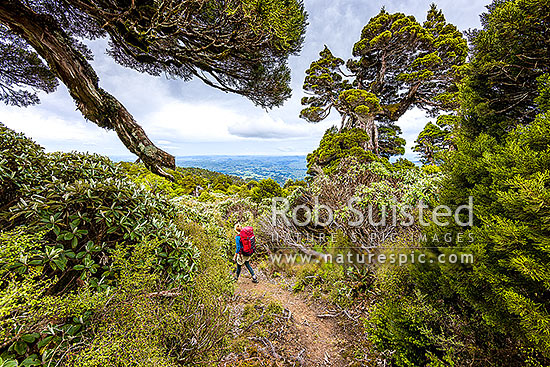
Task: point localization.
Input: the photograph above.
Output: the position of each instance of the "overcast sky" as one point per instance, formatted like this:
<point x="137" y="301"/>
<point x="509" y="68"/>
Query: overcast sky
<point x="194" y="119"/>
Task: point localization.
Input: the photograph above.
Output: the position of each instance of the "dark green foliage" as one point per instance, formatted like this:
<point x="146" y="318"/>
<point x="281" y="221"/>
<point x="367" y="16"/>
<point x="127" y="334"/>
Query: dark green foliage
<point x="160" y="38"/>
<point x="420" y="56"/>
<point x="338" y="145"/>
<point x="79" y="210"/>
<point x="509" y="54"/>
<point x="422" y="323"/>
<point x="431" y="141"/>
<point x="266" y="189"/>
<point x="19" y="65"/>
<point x="324" y="81"/>
<point x="510" y="281"/>
<point x="403" y="164"/>
<point x="543" y="100"/>
<point x="221" y="183"/>
<point x="495" y="308"/>
<point x="252" y="64"/>
<point x="398" y="64"/>
<point x="494" y="311"/>
<point x="291" y="185"/>
<point x="390" y="142"/>
<point x="17" y="154"/>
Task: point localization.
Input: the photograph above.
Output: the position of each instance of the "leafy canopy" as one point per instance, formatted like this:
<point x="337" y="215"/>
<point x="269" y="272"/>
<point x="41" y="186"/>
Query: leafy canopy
<point x="493" y="311"/>
<point x="238" y="46"/>
<point x="334" y="147"/>
<point x="397" y="64"/>
<point x="511" y="52"/>
<point x="433" y="140"/>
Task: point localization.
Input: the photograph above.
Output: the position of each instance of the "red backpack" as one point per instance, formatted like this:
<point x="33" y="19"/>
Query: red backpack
<point x="248" y="240"/>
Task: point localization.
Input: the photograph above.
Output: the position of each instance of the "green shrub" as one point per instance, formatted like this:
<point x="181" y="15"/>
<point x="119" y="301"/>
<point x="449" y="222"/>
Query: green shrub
<point x="156" y="184"/>
<point x="186" y="180"/>
<point x="338" y="145"/>
<point x="509" y="280"/>
<point x="497" y="306"/>
<point x="66" y="217"/>
<point x="143" y="326"/>
<point x="266" y="189"/>
<point x="20" y="160"/>
<point x="431" y="169"/>
<point x="206" y="196"/>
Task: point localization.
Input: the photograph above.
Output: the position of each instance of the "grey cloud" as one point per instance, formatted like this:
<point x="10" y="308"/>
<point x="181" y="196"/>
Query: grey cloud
<point x="264" y="132"/>
<point x="274" y="130"/>
<point x="337" y="23"/>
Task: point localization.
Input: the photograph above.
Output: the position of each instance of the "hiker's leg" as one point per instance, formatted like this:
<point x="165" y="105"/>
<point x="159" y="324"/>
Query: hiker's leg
<point x="238" y="271"/>
<point x="247" y="264"/>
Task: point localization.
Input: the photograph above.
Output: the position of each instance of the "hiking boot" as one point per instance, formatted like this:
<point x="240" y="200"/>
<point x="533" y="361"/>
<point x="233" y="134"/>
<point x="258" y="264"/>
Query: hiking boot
<point x="254" y="280"/>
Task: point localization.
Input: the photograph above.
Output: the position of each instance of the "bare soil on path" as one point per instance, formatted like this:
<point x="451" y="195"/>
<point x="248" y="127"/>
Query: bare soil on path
<point x="314" y="337"/>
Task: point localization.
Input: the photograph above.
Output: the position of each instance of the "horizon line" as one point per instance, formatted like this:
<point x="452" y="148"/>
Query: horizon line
<point x="222" y="155"/>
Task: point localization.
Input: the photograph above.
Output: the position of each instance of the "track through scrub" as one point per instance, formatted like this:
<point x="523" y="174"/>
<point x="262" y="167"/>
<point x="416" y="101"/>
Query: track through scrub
<point x="317" y="341"/>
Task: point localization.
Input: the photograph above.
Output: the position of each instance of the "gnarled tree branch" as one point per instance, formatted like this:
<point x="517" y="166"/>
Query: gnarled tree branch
<point x="52" y="43"/>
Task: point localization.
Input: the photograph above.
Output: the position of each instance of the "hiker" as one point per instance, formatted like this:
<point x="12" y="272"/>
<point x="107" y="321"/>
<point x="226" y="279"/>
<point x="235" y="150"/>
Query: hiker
<point x="246" y="243"/>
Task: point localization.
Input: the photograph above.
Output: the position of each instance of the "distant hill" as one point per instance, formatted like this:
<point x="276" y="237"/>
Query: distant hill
<point x="279" y="168"/>
<point x="210" y="175"/>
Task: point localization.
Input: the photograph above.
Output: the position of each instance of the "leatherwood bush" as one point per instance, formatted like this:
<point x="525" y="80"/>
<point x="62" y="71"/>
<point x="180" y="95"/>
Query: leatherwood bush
<point x="63" y="217"/>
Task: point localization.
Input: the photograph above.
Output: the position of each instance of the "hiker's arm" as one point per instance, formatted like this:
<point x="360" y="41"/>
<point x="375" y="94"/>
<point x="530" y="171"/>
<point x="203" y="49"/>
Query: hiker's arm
<point x="238" y="247"/>
<point x="238" y="243"/>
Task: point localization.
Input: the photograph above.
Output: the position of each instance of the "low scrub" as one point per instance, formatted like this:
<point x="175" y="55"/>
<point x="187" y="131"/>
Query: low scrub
<point x="97" y="269"/>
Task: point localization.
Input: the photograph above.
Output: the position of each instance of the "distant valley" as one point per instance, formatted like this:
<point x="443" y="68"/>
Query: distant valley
<point x="279" y="168"/>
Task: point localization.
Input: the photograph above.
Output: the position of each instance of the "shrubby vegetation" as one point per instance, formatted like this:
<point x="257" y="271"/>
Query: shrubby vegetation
<point x="372" y="186"/>
<point x="187" y="181"/>
<point x="434" y="140"/>
<point x="493" y="147"/>
<point x="499" y="87"/>
<point x="494" y="311"/>
<point x="497" y="305"/>
<point x="336" y="145"/>
<point x="92" y="262"/>
<point x="207" y="185"/>
<point x="104" y="262"/>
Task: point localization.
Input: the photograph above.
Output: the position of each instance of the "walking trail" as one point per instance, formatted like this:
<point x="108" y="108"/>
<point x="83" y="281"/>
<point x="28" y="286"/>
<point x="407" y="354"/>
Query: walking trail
<point x="314" y="336"/>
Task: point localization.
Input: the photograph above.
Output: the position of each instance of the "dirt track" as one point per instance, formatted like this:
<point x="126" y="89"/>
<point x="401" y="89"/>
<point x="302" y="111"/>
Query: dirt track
<point x="317" y="340"/>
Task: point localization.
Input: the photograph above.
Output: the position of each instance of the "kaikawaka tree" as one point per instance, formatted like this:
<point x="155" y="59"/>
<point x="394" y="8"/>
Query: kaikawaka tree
<point x="510" y="61"/>
<point x="397" y="64"/>
<point x="238" y="46"/>
<point x="435" y="139"/>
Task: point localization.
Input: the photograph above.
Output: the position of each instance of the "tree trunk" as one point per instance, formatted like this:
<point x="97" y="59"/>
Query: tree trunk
<point x="342" y="124"/>
<point x="375" y="138"/>
<point x="400" y="108"/>
<point x="50" y="41"/>
<point x="368" y="124"/>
